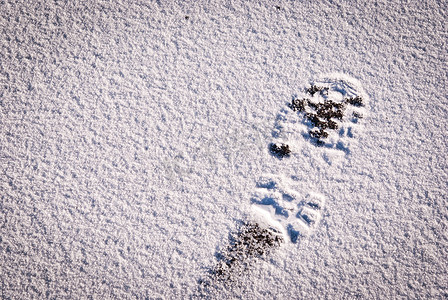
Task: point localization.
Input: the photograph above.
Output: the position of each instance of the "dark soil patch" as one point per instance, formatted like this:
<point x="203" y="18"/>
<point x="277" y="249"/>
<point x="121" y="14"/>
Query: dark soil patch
<point x="252" y="241"/>
<point x="323" y="116"/>
<point x="279" y="150"/>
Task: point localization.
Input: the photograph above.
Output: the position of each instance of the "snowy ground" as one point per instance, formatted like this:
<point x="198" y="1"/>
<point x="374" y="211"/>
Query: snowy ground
<point x="135" y="140"/>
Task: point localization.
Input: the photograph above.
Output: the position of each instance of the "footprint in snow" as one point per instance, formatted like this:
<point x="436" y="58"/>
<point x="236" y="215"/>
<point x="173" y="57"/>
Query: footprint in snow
<point x="326" y="116"/>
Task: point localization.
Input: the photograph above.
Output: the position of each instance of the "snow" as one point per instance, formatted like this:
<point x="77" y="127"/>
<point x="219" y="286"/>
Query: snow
<point x="135" y="137"/>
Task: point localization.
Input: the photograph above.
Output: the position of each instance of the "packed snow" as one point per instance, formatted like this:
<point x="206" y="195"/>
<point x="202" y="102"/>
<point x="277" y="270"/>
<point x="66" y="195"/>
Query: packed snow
<point x="218" y="150"/>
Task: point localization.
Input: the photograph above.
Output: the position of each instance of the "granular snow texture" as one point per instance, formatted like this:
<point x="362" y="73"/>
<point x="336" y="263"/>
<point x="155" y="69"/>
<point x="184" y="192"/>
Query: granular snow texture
<point x="133" y="135"/>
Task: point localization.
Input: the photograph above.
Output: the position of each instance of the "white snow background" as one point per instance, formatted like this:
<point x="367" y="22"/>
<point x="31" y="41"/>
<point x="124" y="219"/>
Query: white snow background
<point x="133" y="134"/>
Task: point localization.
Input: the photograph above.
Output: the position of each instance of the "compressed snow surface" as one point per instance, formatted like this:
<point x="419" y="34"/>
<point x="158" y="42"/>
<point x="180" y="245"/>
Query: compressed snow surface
<point x="134" y="138"/>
